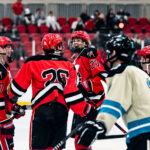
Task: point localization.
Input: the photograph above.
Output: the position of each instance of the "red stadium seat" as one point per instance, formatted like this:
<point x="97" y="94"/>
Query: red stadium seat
<point x="71" y="20"/>
<point x="43" y="29"/>
<point x="143" y="21"/>
<point x="132" y="21"/>
<point x="32" y="28"/>
<point x="147" y="28"/>
<point x="28" y="47"/>
<point x="21" y="28"/>
<point x="24" y="37"/>
<point x="36" y="37"/>
<point x="66" y="29"/>
<point x="137" y="28"/>
<point x="127" y="29"/>
<point x="6" y="21"/>
<point x="141" y="36"/>
<point x="62" y="21"/>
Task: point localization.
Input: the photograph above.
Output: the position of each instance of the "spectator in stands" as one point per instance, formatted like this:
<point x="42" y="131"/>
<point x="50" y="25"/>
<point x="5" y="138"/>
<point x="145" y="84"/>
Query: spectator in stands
<point x="17" y="8"/>
<point x="28" y="17"/>
<point x="13" y="33"/>
<point x="99" y="20"/>
<point x="122" y="16"/>
<point x="39" y="17"/>
<point x="77" y="25"/>
<point x="84" y="16"/>
<point x="2" y="30"/>
<point x="110" y="19"/>
<point x="51" y="22"/>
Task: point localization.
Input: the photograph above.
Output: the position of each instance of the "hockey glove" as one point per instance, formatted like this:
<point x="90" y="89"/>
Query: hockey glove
<point x="7" y="128"/>
<point x="92" y="114"/>
<point x="18" y="111"/>
<point x="89" y="132"/>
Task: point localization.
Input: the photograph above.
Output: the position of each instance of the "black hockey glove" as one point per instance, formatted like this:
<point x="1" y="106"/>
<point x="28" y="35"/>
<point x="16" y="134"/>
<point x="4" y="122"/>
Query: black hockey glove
<point x="7" y="128"/>
<point x="18" y="111"/>
<point x="92" y="114"/>
<point x="89" y="132"/>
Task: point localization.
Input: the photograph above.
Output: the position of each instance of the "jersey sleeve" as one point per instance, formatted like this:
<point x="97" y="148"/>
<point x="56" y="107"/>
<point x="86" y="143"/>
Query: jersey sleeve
<point x="73" y="96"/>
<point x="18" y="87"/>
<point x="3" y="96"/>
<point x="118" y="99"/>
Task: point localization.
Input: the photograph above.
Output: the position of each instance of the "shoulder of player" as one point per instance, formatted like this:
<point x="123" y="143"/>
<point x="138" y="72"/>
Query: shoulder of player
<point x="135" y="71"/>
<point x="44" y="57"/>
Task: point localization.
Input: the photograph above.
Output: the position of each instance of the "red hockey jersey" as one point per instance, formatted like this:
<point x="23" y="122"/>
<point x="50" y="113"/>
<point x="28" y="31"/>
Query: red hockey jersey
<point x="92" y="74"/>
<point x="52" y="78"/>
<point x="5" y="105"/>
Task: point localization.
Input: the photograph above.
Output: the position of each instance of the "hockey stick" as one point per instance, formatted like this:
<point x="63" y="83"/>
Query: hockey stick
<point x="79" y="126"/>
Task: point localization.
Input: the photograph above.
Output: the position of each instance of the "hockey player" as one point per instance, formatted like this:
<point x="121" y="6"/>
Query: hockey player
<point x="145" y="59"/>
<point x="91" y="75"/>
<point x="54" y="91"/>
<point x="6" y="108"/>
<point x="128" y="96"/>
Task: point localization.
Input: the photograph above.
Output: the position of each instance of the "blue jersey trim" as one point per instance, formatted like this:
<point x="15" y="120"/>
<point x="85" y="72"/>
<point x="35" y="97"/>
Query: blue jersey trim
<point x="113" y="108"/>
<point x="138" y="127"/>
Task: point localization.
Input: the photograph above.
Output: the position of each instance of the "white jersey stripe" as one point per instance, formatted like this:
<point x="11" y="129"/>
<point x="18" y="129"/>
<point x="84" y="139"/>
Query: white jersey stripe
<point x="73" y="98"/>
<point x="16" y="90"/>
<point x="42" y="92"/>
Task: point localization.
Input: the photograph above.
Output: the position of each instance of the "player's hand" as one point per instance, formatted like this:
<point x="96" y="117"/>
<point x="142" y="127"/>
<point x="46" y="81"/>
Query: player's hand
<point x="89" y="132"/>
<point x="18" y="111"/>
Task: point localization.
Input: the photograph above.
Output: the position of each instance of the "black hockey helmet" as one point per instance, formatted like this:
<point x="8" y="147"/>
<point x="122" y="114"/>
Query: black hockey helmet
<point x="123" y="46"/>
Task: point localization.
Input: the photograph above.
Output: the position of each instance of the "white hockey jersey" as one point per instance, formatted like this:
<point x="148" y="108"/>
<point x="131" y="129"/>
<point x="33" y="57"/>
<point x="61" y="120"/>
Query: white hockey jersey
<point x="128" y="96"/>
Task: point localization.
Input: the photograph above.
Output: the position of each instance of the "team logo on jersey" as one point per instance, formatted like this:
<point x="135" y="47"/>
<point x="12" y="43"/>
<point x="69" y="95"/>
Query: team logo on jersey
<point x="148" y="82"/>
<point x="90" y="54"/>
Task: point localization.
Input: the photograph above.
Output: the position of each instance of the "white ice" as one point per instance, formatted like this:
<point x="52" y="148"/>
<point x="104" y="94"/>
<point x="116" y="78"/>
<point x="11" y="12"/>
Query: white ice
<point x="21" y="139"/>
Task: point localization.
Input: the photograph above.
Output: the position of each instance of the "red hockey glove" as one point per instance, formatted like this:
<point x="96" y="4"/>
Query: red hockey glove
<point x="89" y="132"/>
<point x="18" y="111"/>
<point x="7" y="128"/>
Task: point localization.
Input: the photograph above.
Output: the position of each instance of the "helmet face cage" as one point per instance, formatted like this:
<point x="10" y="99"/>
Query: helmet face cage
<point x="123" y="46"/>
<point x="145" y="59"/>
<point x="53" y="43"/>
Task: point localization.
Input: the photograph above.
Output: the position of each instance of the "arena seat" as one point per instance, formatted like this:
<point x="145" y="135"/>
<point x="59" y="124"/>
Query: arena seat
<point x="137" y="28"/>
<point x="66" y="29"/>
<point x="43" y="29"/>
<point x="32" y="28"/>
<point x="62" y="21"/>
<point x="6" y="21"/>
<point x="36" y="37"/>
<point x="21" y="28"/>
<point x="71" y="20"/>
<point x="143" y="21"/>
<point x="24" y="37"/>
<point x="132" y="21"/>
<point x="127" y="29"/>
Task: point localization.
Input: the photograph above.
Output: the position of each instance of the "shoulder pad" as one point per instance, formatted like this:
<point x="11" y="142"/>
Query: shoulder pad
<point x="90" y="52"/>
<point x="3" y="72"/>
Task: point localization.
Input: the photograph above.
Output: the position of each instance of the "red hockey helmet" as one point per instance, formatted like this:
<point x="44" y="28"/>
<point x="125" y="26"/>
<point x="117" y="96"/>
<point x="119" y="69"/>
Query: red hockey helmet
<point x="145" y="58"/>
<point x="4" y="41"/>
<point x="83" y="35"/>
<point x="53" y="43"/>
